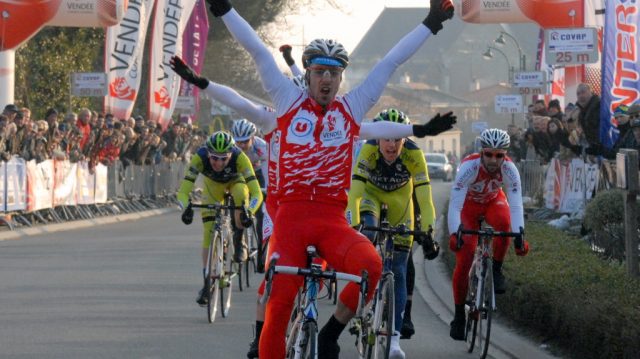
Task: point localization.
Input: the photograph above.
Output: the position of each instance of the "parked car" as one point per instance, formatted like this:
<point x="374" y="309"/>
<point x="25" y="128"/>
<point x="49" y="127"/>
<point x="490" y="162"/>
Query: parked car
<point x="439" y="166"/>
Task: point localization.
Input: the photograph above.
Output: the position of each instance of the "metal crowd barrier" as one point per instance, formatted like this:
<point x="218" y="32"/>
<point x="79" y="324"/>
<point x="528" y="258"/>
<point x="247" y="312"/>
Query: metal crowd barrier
<point x="129" y="189"/>
<point x="532" y="176"/>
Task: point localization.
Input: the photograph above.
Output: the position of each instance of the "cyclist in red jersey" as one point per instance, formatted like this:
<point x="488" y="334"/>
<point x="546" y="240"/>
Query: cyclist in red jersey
<point x="316" y="131"/>
<point x="477" y="191"/>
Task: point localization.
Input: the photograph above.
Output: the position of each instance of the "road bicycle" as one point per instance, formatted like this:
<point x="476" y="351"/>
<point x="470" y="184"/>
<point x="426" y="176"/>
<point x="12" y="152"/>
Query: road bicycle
<point x="481" y="301"/>
<point x="220" y="269"/>
<point x="302" y="333"/>
<point x="255" y="254"/>
<point x="374" y="328"/>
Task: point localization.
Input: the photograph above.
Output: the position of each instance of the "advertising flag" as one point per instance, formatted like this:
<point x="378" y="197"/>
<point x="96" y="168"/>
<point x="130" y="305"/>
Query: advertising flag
<point x="620" y="64"/>
<point x="124" y="48"/>
<point x="193" y="48"/>
<point x="171" y="17"/>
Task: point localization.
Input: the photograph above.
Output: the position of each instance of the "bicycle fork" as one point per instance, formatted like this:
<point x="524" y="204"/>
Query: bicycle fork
<point x="309" y="314"/>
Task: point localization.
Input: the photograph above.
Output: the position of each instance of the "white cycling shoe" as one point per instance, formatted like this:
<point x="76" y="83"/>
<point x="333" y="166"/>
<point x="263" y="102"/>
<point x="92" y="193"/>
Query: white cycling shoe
<point x="395" y="351"/>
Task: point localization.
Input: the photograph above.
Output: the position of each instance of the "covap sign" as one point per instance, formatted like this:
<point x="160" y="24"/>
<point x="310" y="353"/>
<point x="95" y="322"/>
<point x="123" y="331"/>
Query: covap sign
<point x="571" y="46"/>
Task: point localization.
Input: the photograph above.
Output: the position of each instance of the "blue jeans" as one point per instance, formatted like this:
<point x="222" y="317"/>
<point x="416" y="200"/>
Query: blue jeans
<point x="399" y="269"/>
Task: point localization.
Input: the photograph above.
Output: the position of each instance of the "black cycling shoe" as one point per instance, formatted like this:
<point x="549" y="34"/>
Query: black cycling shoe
<point x="499" y="286"/>
<point x="407" y="330"/>
<point x="456" y="330"/>
<point x="253" y="349"/>
<point x="328" y="349"/>
<point x="203" y="299"/>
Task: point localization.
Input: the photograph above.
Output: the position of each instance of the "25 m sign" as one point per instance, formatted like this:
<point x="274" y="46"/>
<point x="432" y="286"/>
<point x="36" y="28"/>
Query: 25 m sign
<point x="571" y="46"/>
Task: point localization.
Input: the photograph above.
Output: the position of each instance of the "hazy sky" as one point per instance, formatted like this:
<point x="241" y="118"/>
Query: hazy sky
<point x="347" y="25"/>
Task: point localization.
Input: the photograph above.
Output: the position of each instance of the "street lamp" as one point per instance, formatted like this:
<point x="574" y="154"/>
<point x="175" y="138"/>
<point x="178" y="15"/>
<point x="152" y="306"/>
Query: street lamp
<point x="488" y="55"/>
<point x="500" y="41"/>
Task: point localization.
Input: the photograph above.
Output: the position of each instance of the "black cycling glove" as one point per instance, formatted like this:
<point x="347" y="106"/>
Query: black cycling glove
<point x="219" y="7"/>
<point x="430" y="248"/>
<point x="440" y="11"/>
<point x="246" y="220"/>
<point x="286" y="53"/>
<point x="187" y="74"/>
<point x="187" y="215"/>
<point x="435" y="126"/>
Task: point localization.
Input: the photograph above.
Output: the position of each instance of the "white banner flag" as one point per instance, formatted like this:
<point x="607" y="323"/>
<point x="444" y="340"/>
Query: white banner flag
<point x="124" y="47"/>
<point x="171" y="17"/>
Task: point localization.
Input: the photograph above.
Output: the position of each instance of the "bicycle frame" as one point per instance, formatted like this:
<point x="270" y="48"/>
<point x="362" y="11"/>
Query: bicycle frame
<point x="304" y="327"/>
<point x="374" y="330"/>
<point x="482" y="303"/>
<point x="215" y="283"/>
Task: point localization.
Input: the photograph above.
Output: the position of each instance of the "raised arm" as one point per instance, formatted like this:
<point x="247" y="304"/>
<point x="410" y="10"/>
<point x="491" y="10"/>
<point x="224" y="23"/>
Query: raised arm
<point x="278" y="86"/>
<point x="365" y="95"/>
<point x="257" y="114"/>
<point x="262" y="116"/>
<point x="286" y="54"/>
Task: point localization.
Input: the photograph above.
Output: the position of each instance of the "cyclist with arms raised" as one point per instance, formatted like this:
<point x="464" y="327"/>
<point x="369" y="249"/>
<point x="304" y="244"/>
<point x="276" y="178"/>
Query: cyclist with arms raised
<point x="316" y="131"/>
<point x="477" y="191"/>
<point x="225" y="169"/>
<point x="388" y="171"/>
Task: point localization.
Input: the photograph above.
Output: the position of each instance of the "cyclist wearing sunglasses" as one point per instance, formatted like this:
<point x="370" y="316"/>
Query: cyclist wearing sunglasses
<point x="477" y="191"/>
<point x="225" y="168"/>
<point x="265" y="118"/>
<point x="389" y="171"/>
<point x="316" y="130"/>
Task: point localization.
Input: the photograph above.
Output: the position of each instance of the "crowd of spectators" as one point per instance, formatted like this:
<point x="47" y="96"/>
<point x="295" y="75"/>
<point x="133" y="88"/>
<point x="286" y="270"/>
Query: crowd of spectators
<point x="553" y="132"/>
<point x="94" y="137"/>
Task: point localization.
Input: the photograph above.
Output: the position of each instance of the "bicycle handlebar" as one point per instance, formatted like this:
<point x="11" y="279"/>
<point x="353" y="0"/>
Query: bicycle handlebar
<point x="214" y="206"/>
<point x="488" y="232"/>
<point x="399" y="229"/>
<point x="361" y="280"/>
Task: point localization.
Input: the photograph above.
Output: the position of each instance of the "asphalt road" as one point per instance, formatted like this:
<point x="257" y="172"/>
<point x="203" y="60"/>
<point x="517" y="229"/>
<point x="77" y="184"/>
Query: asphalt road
<point x="127" y="290"/>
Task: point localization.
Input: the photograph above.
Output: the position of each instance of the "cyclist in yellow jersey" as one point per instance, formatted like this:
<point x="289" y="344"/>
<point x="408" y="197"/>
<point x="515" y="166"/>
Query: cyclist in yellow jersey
<point x="225" y="168"/>
<point x="389" y="171"/>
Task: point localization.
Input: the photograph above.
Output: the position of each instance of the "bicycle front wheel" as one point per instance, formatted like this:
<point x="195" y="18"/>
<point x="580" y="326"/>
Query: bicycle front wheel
<point x="293" y="329"/>
<point x="471" y="328"/>
<point x="227" y="275"/>
<point x="484" y="322"/>
<point x="310" y="350"/>
<point x="215" y="273"/>
<point x="383" y="319"/>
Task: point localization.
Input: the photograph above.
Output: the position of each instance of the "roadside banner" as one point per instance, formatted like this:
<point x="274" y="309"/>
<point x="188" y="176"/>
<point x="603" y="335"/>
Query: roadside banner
<point x="3" y="186"/>
<point x="86" y="184"/>
<point x="566" y="182"/>
<point x="170" y="19"/>
<point x="39" y="185"/>
<point x="16" y="184"/>
<point x="620" y="64"/>
<point x="65" y="182"/>
<point x="124" y="47"/>
<point x="101" y="183"/>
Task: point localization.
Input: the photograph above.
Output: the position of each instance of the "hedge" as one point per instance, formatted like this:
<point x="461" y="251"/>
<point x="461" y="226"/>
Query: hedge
<point x="563" y="292"/>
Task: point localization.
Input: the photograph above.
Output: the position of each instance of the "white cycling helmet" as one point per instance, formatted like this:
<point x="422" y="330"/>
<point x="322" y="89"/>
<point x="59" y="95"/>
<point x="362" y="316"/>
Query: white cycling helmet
<point x="495" y="138"/>
<point x="242" y="130"/>
<point x="300" y="82"/>
<point x="327" y="52"/>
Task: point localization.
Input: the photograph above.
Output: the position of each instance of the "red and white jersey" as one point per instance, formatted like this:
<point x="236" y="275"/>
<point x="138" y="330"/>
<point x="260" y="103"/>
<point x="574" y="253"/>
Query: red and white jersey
<point x="314" y="150"/>
<point x="474" y="183"/>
